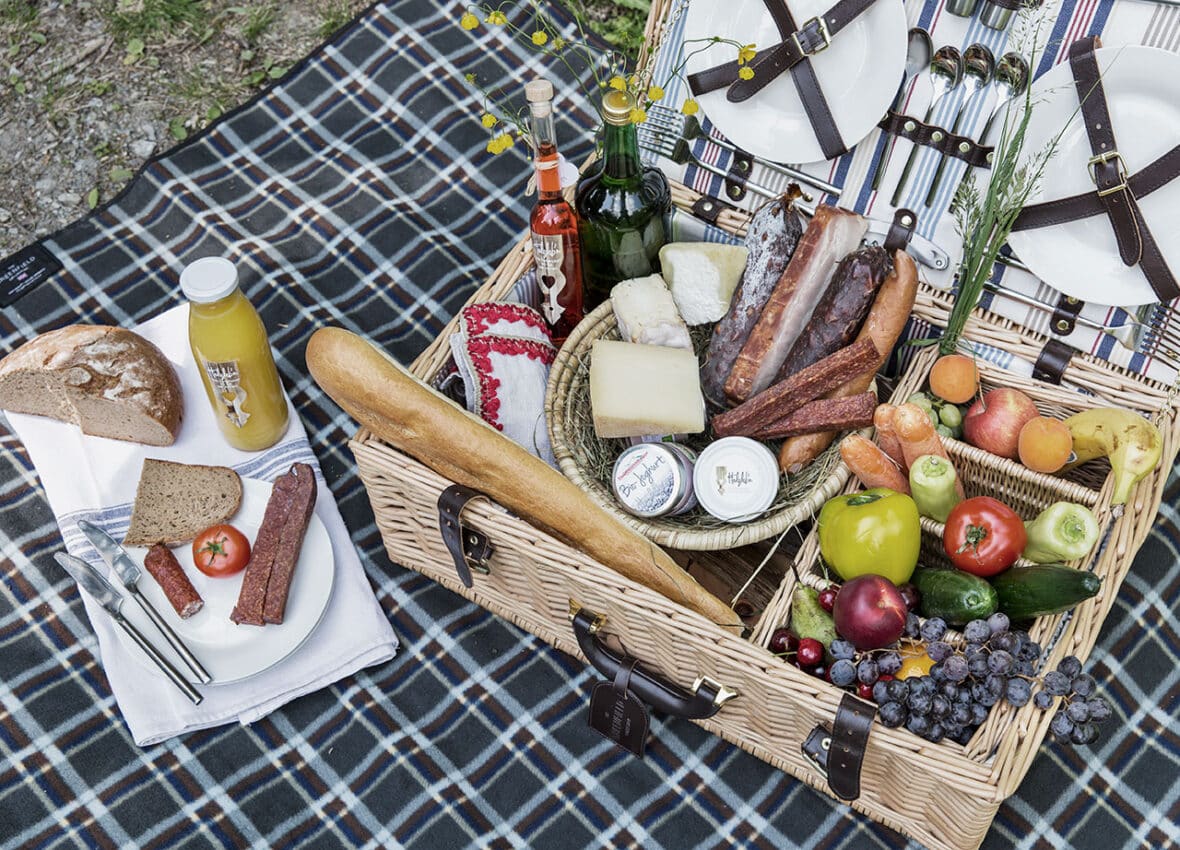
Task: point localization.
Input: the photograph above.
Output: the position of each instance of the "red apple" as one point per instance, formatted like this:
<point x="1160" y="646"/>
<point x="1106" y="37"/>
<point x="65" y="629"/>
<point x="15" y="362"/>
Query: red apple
<point x="993" y="423"/>
<point x="870" y="612"/>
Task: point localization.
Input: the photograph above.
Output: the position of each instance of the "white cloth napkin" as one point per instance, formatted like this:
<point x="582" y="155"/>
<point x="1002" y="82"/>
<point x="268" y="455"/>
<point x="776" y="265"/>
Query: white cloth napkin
<point x="95" y="478"/>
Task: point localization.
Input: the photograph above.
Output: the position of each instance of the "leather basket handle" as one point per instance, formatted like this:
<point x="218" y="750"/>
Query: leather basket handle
<point x="704" y="700"/>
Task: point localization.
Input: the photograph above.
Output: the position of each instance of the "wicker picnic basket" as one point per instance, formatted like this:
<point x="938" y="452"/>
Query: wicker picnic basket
<point x="944" y="795"/>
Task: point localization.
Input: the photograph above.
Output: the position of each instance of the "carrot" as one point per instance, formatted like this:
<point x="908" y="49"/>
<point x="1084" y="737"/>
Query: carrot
<point x="916" y="433"/>
<point x="887" y="435"/>
<point x="886" y="320"/>
<point x="872" y="466"/>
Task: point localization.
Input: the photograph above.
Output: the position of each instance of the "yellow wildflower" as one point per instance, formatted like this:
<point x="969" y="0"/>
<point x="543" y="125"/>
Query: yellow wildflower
<point x="745" y="53"/>
<point x="499" y="144"/>
<point x="746" y="72"/>
<point x="638" y="116"/>
<point x="497" y="18"/>
<point x="690" y="107"/>
<point x="618" y="83"/>
<point x="468" y="21"/>
<point x="540" y="37"/>
<point x="558" y="44"/>
<point x="488" y="120"/>
<point x="655" y="93"/>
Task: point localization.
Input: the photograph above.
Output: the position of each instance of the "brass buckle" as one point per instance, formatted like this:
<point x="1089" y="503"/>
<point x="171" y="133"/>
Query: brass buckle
<point x="724" y="694"/>
<point x="822" y="26"/>
<point x="1102" y="159"/>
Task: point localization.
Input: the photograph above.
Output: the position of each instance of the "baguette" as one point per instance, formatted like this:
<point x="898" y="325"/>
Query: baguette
<point x="885" y="323"/>
<point x="415" y="419"/>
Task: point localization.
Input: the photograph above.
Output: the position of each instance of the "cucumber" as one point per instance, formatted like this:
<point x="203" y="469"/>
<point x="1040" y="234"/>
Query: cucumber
<point x="1029" y="592"/>
<point x="954" y="595"/>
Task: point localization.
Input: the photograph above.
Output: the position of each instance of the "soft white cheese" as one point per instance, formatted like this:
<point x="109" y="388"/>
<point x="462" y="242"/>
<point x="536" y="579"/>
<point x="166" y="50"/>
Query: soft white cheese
<point x="647" y="314"/>
<point x="637" y="390"/>
<point x="702" y="277"/>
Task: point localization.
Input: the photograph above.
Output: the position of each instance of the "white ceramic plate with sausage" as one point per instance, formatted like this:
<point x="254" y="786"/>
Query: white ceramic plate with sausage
<point x="859" y="74"/>
<point x="232" y="652"/>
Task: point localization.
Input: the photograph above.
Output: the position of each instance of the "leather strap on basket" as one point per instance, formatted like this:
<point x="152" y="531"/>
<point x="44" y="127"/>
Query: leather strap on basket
<point x="1053" y="361"/>
<point x="840" y="753"/>
<point x="791" y="54"/>
<point x="1114" y="192"/>
<point x="469" y="548"/>
<point x="932" y="136"/>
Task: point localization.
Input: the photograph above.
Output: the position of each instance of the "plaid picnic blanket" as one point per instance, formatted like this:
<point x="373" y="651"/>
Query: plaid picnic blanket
<point x="357" y="192"/>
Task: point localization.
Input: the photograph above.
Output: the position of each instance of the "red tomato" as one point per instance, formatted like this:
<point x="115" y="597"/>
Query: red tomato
<point x="983" y="536"/>
<point x="221" y="551"/>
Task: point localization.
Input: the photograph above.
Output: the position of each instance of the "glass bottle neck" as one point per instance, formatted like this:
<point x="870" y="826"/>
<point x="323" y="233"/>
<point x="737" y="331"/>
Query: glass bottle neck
<point x="545" y="151"/>
<point x="620" y="154"/>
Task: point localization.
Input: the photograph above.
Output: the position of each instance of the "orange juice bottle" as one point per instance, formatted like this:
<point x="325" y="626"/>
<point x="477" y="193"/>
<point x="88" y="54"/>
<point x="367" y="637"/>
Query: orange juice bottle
<point x="233" y="355"/>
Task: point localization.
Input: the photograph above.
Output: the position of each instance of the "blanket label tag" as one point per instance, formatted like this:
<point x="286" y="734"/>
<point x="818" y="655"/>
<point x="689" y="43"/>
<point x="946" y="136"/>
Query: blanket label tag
<point x="620" y="716"/>
<point x="25" y="270"/>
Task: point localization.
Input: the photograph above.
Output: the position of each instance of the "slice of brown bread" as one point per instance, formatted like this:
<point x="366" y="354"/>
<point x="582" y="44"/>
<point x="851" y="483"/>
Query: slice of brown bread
<point x="109" y="381"/>
<point x="177" y="501"/>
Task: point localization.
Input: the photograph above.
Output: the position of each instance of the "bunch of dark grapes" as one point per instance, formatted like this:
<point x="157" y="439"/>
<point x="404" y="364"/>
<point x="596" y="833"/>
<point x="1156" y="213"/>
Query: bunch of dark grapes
<point x="998" y="664"/>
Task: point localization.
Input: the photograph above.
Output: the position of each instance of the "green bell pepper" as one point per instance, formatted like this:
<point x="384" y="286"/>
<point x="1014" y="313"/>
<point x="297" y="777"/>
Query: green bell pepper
<point x="932" y="483"/>
<point x="1064" y="531"/>
<point x="875" y="532"/>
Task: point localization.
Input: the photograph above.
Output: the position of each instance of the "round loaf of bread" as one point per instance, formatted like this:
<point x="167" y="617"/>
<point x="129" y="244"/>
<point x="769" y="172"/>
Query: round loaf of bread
<point x="109" y="381"/>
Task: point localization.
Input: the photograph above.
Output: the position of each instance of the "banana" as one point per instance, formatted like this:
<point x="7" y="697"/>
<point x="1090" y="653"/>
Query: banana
<point x="1133" y="445"/>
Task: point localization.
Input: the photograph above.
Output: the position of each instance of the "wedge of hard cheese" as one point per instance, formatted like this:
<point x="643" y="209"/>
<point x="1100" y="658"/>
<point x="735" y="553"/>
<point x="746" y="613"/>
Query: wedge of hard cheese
<point x="412" y="417"/>
<point x="637" y="390"/>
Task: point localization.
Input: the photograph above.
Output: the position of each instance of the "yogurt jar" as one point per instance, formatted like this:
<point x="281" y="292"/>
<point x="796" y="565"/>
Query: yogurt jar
<point x="736" y="479"/>
<point x="654" y="480"/>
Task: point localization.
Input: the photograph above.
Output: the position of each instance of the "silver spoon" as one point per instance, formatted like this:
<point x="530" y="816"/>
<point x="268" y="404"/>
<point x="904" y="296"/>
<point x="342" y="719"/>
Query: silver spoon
<point x="946" y="72"/>
<point x="979" y="65"/>
<point x="1012" y="74"/>
<point x="917" y="59"/>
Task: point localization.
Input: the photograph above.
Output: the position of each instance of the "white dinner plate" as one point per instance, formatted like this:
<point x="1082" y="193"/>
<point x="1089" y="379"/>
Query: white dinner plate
<point x="859" y="74"/>
<point x="231" y="652"/>
<point x="1081" y="258"/>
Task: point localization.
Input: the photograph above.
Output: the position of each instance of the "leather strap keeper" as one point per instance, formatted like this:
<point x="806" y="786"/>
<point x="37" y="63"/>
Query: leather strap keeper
<point x="708" y="209"/>
<point x="901" y="231"/>
<point x="469" y="548"/>
<point x="931" y="136"/>
<point x="840" y="753"/>
<point x="1053" y="361"/>
<point x="1065" y="315"/>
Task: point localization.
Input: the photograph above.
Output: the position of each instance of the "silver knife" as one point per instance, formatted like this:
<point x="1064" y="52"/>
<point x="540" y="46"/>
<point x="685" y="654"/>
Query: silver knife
<point x="104" y="593"/>
<point x="128" y="572"/>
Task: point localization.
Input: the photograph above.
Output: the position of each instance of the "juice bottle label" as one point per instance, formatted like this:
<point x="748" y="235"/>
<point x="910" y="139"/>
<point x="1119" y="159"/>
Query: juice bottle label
<point x="549" y="253"/>
<point x="226" y="379"/>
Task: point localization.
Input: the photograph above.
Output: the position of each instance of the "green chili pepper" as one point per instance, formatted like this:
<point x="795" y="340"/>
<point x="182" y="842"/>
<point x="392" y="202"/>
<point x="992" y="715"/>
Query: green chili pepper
<point x="932" y="483"/>
<point x="1064" y="531"/>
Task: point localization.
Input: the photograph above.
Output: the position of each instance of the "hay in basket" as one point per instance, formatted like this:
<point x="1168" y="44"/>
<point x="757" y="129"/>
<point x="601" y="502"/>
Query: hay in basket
<point x="587" y="460"/>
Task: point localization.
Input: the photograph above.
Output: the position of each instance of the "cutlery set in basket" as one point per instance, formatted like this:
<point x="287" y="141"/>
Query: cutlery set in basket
<point x="1046" y="339"/>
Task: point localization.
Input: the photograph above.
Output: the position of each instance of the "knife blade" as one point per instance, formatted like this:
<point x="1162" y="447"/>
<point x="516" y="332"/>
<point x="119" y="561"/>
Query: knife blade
<point x="129" y="572"/>
<point x="104" y="593"/>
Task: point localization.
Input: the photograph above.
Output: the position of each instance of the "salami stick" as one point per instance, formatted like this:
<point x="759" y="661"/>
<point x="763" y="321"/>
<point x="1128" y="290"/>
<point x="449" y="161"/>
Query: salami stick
<point x="824" y="414"/>
<point x="166" y="570"/>
<point x="785" y="397"/>
<point x="884" y="325"/>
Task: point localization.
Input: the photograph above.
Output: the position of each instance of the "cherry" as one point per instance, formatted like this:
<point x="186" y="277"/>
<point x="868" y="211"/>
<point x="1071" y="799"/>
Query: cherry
<point x="811" y="652"/>
<point x="864" y="691"/>
<point x="782" y="641"/>
<point x="910" y="596"/>
<point x="827" y="599"/>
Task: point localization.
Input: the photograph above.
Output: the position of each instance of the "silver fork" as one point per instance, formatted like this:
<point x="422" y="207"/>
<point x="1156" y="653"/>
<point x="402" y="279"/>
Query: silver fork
<point x="1129" y="335"/>
<point x="667" y="120"/>
<point x="679" y="151"/>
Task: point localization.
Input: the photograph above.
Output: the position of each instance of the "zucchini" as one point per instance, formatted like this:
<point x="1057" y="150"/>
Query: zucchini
<point x="1029" y="592"/>
<point x="954" y="596"/>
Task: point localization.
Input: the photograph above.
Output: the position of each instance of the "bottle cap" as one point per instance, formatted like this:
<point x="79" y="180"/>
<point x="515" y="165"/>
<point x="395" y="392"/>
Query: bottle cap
<point x="736" y="478"/>
<point x="538" y="90"/>
<point x="208" y="279"/>
<point x="616" y="107"/>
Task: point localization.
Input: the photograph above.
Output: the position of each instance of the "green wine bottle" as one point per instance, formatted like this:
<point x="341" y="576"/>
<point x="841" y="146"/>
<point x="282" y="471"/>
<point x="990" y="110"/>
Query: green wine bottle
<point x="621" y="208"/>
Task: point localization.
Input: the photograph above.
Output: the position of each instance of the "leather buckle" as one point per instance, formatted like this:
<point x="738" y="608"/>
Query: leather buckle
<point x="818" y="36"/>
<point x="1103" y="159"/>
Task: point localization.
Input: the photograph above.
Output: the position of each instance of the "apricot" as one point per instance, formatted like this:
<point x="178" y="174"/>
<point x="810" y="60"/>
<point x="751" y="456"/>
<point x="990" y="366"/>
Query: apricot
<point x="1044" y="444"/>
<point x="954" y="378"/>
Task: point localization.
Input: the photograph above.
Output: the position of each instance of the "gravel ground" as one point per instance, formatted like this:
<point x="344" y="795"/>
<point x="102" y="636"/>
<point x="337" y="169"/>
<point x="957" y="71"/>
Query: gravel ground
<point x="89" y="89"/>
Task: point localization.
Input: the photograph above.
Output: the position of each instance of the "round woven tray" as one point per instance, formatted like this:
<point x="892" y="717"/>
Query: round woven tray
<point x="587" y="460"/>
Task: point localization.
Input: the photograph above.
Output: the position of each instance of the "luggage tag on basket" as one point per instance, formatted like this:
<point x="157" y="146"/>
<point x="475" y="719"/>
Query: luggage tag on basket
<point x="618" y="714"/>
